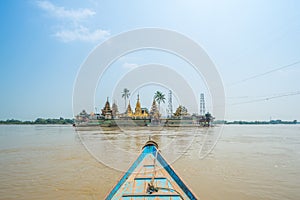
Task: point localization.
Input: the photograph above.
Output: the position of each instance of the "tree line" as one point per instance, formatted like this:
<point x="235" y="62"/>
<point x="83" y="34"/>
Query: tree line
<point x="262" y="122"/>
<point x="39" y="121"/>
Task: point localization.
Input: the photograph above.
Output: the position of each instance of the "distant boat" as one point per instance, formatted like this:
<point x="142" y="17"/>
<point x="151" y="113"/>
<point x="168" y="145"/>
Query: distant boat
<point x="150" y="177"/>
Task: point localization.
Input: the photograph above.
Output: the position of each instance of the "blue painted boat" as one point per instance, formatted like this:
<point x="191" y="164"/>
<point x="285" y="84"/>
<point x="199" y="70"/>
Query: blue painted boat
<point x="150" y="177"/>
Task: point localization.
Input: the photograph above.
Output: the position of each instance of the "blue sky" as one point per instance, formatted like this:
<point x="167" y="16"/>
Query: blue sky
<point x="44" y="43"/>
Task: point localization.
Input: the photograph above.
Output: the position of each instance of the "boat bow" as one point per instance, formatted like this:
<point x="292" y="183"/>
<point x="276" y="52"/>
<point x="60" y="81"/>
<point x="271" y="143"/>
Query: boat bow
<point x="150" y="177"/>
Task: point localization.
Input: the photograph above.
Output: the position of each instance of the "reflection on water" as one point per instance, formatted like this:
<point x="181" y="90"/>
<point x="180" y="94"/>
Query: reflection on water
<point x="248" y="162"/>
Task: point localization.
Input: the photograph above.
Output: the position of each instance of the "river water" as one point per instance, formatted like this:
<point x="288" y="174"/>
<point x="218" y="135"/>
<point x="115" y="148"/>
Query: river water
<point x="57" y="162"/>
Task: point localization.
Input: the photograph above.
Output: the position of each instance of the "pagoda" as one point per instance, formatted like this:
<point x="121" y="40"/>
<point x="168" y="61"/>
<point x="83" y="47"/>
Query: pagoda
<point x="115" y="110"/>
<point x="139" y="111"/>
<point x="129" y="111"/>
<point x="154" y="112"/>
<point x="106" y="111"/>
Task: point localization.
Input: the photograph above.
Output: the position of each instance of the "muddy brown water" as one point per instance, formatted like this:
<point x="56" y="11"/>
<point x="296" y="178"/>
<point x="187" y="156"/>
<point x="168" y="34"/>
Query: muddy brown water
<point x="57" y="162"/>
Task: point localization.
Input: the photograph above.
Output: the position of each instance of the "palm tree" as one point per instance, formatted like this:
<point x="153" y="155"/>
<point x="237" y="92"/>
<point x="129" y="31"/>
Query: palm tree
<point x="125" y="95"/>
<point x="159" y="97"/>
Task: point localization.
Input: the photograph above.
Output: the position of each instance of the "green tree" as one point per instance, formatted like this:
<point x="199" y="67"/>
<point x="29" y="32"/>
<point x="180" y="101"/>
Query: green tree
<point x="40" y="121"/>
<point x="181" y="111"/>
<point x="159" y="97"/>
<point x="125" y="95"/>
<point x="208" y="119"/>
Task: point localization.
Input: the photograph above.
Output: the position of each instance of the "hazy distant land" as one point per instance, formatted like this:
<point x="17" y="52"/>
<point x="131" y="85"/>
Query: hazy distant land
<point x="39" y="121"/>
<point x="258" y="122"/>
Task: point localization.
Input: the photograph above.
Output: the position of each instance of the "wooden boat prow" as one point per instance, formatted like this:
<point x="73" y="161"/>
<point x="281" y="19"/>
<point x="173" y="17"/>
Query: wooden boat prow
<point x="150" y="177"/>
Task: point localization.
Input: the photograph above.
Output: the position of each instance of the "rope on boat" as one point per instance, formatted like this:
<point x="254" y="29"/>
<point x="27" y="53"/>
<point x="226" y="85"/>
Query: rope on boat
<point x="171" y="190"/>
<point x="151" y="188"/>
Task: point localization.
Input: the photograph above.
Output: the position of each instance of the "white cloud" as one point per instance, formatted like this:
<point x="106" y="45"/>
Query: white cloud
<point x="129" y="65"/>
<point x="72" y="22"/>
<point x="81" y="34"/>
<point x="61" y="12"/>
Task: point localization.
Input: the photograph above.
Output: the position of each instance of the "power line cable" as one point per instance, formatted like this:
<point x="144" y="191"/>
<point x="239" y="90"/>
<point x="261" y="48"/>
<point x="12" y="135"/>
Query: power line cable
<point x="268" y="98"/>
<point x="260" y="96"/>
<point x="265" y="73"/>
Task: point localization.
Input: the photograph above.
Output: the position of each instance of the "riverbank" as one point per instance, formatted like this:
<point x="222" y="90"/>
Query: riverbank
<point x="143" y="123"/>
<point x="38" y="121"/>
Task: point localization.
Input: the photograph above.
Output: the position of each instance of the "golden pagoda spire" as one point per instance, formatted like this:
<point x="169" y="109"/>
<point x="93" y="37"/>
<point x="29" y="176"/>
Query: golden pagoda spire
<point x="129" y="111"/>
<point x="138" y="109"/>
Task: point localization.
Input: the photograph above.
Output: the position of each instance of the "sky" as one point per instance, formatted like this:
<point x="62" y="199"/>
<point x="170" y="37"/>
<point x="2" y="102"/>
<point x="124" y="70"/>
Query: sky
<point x="254" y="45"/>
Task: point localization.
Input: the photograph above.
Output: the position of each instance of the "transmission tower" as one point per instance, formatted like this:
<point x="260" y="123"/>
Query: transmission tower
<point x="170" y="106"/>
<point x="202" y="104"/>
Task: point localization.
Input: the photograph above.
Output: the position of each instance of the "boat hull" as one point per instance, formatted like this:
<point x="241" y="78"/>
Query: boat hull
<point x="150" y="177"/>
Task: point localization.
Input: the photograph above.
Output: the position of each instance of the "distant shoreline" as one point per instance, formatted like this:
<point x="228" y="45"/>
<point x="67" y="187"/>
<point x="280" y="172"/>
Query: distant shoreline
<point x="259" y="122"/>
<point x="39" y="121"/>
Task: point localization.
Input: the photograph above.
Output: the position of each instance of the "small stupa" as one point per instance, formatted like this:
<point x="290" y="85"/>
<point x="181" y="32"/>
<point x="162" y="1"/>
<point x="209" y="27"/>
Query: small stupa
<point x="129" y="110"/>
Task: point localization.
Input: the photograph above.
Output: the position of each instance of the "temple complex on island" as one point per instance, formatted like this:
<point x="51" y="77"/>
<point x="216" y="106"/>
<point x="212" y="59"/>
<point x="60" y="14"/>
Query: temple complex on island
<point x="110" y="116"/>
